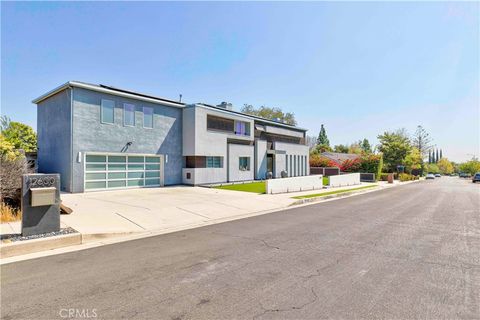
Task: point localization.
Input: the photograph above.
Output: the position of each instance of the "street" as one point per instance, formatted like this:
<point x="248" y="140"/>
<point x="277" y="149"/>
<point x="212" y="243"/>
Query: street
<point x="407" y="252"/>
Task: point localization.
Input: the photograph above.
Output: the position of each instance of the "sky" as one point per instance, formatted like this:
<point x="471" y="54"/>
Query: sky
<point x="359" y="68"/>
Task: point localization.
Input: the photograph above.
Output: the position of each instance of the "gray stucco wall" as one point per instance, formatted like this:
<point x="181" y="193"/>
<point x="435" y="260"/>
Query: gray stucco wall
<point x="261" y="159"/>
<point x="90" y="135"/>
<point x="54" y="138"/>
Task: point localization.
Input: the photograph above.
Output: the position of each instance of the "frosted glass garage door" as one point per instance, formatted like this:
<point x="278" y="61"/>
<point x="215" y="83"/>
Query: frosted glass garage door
<point x="122" y="171"/>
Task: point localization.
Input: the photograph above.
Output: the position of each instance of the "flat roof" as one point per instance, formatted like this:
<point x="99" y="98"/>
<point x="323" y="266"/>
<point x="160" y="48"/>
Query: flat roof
<point x="150" y="98"/>
<point x="271" y="122"/>
<point x="110" y="90"/>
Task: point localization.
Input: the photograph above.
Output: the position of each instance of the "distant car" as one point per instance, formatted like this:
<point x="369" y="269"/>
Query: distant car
<point x="430" y="176"/>
<point x="476" y="177"/>
<point x="437" y="175"/>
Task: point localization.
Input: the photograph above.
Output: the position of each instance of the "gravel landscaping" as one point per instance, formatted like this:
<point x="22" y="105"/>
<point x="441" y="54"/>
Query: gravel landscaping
<point x="19" y="237"/>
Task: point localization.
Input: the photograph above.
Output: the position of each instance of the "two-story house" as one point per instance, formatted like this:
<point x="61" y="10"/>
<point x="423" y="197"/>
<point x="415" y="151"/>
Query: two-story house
<point x="100" y="137"/>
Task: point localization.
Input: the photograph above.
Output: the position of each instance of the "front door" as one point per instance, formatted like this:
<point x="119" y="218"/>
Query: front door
<point x="270" y="163"/>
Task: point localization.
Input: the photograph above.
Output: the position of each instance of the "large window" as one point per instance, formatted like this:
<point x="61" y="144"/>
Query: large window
<point x="242" y="128"/>
<point x="147" y="117"/>
<point x="107" y="111"/>
<point x="244" y="164"/>
<point x="214" y="162"/>
<point x="203" y="162"/>
<point x="128" y="114"/>
<point x="220" y="124"/>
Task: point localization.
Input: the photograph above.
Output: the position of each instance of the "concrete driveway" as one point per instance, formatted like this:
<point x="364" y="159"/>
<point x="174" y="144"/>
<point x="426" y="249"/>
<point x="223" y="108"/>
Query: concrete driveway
<point x="153" y="209"/>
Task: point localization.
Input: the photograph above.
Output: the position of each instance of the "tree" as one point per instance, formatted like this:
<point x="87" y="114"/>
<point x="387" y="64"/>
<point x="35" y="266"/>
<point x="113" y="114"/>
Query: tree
<point x="433" y="156"/>
<point x="341" y="148"/>
<point x="445" y="166"/>
<point x="441" y="156"/>
<point x="429" y="156"/>
<point x="311" y="142"/>
<point x="355" y="148"/>
<point x="422" y="141"/>
<point x="270" y="113"/>
<point x="7" y="150"/>
<point x="471" y="167"/>
<point x="432" y="168"/>
<point x="365" y="145"/>
<point x="395" y="146"/>
<point x="4" y="123"/>
<point x="437" y="157"/>
<point x="21" y="136"/>
<point x="413" y="160"/>
<point x="322" y="137"/>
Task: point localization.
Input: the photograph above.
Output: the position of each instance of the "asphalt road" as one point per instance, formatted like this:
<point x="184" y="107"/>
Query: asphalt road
<point x="401" y="253"/>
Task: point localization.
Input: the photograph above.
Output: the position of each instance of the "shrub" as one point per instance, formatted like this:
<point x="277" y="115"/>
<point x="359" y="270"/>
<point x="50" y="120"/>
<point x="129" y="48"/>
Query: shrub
<point x="351" y="165"/>
<point x="317" y="160"/>
<point x="11" y="171"/>
<point x="372" y="163"/>
<point x="9" y="214"/>
<point x="383" y="176"/>
<point x="407" y="177"/>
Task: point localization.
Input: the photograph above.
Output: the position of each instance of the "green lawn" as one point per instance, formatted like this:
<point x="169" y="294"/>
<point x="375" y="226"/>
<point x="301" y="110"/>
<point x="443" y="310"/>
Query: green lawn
<point x="326" y="181"/>
<point x="332" y="192"/>
<point x="256" y="187"/>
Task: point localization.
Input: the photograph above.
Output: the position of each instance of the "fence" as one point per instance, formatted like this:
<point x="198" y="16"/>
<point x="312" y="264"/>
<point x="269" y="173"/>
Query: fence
<point x="344" y="180"/>
<point x="325" y="171"/>
<point x="294" y="184"/>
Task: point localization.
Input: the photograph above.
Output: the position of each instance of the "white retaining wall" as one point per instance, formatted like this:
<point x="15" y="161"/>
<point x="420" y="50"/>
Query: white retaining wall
<point x="293" y="184"/>
<point x="344" y="180"/>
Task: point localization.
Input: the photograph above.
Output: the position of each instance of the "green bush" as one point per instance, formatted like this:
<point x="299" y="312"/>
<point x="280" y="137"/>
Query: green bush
<point x="407" y="177"/>
<point x="383" y="177"/>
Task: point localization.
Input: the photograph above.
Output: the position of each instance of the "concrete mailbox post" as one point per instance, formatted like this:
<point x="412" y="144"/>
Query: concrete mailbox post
<point x="40" y="203"/>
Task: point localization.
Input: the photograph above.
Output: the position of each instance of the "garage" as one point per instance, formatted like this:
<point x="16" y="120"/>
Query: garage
<point x="120" y="171"/>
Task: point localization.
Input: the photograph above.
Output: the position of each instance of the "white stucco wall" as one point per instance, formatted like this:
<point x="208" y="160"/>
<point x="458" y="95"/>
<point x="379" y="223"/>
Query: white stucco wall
<point x="208" y="142"/>
<point x="299" y="154"/>
<point x="344" y="180"/>
<point x="294" y="184"/>
<point x="235" y="151"/>
<point x="200" y="176"/>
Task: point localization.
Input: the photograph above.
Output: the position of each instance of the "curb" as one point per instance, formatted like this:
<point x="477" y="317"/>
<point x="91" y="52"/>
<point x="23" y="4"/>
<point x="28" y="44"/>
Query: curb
<point x="18" y="248"/>
<point x="332" y="196"/>
<point x="36" y="245"/>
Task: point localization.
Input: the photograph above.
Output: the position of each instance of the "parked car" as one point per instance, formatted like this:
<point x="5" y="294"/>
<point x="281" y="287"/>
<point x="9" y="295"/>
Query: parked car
<point x="430" y="176"/>
<point x="476" y="177"/>
<point x="464" y="175"/>
<point x="437" y="175"/>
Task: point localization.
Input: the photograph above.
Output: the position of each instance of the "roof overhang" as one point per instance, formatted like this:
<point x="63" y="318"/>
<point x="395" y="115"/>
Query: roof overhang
<point x="96" y="88"/>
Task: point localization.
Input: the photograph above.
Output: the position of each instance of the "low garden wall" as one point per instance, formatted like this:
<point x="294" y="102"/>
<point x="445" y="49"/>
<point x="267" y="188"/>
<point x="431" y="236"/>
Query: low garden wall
<point x="294" y="184"/>
<point x="367" y="177"/>
<point x="344" y="180"/>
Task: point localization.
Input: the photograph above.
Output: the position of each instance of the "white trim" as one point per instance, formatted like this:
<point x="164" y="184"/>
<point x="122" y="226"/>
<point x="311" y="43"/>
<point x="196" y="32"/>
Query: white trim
<point x="124" y="113"/>
<point x="105" y="90"/>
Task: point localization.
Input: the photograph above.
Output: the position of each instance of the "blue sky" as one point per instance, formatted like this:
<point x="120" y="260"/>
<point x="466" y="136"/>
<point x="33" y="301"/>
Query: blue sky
<point x="358" y="68"/>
